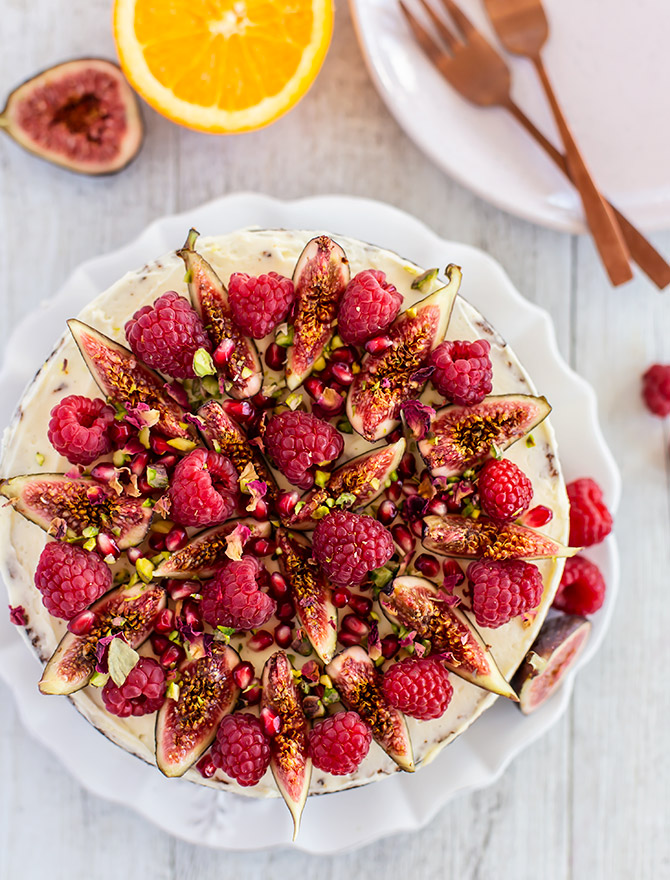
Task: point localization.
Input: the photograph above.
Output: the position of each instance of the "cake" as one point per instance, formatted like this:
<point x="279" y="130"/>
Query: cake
<point x="372" y="448"/>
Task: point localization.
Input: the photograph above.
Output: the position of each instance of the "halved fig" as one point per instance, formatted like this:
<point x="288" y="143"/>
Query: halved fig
<point x="206" y="552"/>
<point x="463" y="437"/>
<point x="467" y="538"/>
<point x="320" y="277"/>
<point x="353" y="485"/>
<point x="186" y="726"/>
<point x="126" y="380"/>
<point x="128" y="610"/>
<point x="81" y="115"/>
<point x="290" y="763"/>
<point x="359" y="684"/>
<point x="241" y="375"/>
<point x="49" y="499"/>
<point x="395" y="375"/>
<point x="555" y="651"/>
<point x="416" y="603"/>
<point x="311" y="593"/>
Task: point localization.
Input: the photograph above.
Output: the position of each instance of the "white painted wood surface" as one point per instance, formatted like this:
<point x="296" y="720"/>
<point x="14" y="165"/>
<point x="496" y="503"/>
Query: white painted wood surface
<point x="591" y="801"/>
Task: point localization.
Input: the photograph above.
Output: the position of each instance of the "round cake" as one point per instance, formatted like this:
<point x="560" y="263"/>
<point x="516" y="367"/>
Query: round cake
<point x="293" y="563"/>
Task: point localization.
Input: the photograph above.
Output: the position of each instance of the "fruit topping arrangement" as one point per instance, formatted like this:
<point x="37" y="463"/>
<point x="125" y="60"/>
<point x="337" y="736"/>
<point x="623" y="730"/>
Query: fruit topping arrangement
<point x="226" y="556"/>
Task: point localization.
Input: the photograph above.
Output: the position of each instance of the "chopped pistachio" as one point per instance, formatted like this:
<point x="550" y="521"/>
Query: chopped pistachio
<point x="145" y="569"/>
<point x="89" y="545"/>
<point x="120" y="458"/>
<point x="39" y="458"/>
<point x="203" y="365"/>
<point x="143" y="437"/>
<point x="99" y="679"/>
<point x="344" y="426"/>
<point x="285" y="339"/>
<point x="320" y="364"/>
<point x="530" y="441"/>
<point x="90" y="532"/>
<point x="321" y="478"/>
<point x="423" y="281"/>
<point x="172" y="692"/>
<point x="182" y="444"/>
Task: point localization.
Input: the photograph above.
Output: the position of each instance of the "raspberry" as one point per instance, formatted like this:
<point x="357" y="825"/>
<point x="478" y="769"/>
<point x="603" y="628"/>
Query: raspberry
<point x="141" y="693"/>
<point x="298" y="441"/>
<point x="241" y="749"/>
<point x="70" y="579"/>
<point x="504" y="490"/>
<point x="233" y="597"/>
<point x="79" y="428"/>
<point x="167" y="334"/>
<point x="419" y="688"/>
<point x="463" y="371"/>
<point x="259" y="304"/>
<point x="349" y="545"/>
<point x="656" y="389"/>
<point x="339" y="743"/>
<point x="500" y="591"/>
<point x="204" y="489"/>
<point x="590" y="520"/>
<point x="582" y="587"/>
<point x="368" y="306"/>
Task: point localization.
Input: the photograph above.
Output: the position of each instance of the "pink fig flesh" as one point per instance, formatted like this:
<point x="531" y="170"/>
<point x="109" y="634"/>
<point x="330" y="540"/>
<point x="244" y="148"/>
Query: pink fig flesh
<point x="467" y="538"/>
<point x="206" y="552"/>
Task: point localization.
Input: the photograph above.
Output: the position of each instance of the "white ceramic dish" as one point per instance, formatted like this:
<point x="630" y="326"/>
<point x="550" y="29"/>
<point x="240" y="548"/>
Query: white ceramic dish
<point x="353" y="818"/>
<point x="611" y="103"/>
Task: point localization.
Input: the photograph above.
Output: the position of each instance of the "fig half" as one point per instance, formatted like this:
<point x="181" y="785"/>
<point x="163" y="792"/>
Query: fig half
<point x="395" y="375"/>
<point x="81" y="115"/>
<point x="464" y="537"/>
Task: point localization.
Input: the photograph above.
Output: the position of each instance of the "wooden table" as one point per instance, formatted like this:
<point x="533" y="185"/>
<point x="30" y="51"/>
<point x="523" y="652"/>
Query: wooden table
<point x="591" y="799"/>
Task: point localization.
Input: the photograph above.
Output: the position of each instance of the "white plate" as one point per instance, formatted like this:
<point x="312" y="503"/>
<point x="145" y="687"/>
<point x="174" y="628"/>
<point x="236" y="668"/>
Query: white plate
<point x="349" y="819"/>
<point x="610" y="66"/>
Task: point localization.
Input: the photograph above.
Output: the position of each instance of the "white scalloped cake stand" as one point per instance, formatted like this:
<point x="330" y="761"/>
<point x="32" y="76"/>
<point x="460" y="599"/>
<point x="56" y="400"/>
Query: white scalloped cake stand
<point x="334" y="822"/>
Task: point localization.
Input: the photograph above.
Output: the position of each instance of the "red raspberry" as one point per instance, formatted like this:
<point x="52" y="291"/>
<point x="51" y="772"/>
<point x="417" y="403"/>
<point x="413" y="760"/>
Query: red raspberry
<point x="349" y="545"/>
<point x="79" y="428"/>
<point x="259" y="304"/>
<point x="204" y="489"/>
<point x="167" y="334"/>
<point x="141" y="693"/>
<point x="70" y="579"/>
<point x="582" y="587"/>
<point x="298" y="441"/>
<point x="656" y="389"/>
<point x="463" y="371"/>
<point x="241" y="749"/>
<point x="419" y="688"/>
<point x="339" y="743"/>
<point x="500" y="591"/>
<point x="590" y="520"/>
<point x="504" y="490"/>
<point x="368" y="306"/>
<point x="233" y="597"/>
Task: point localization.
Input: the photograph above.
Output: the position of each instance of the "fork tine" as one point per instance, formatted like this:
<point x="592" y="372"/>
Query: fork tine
<point x="466" y="26"/>
<point x="427" y="43"/>
<point x="447" y="35"/>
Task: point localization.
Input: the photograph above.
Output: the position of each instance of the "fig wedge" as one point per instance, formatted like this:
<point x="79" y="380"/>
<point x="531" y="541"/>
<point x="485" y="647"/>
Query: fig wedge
<point x="416" y="603"/>
<point x="241" y="375"/>
<point x="126" y="380"/>
<point x="359" y="684"/>
<point x="53" y="500"/>
<point x="395" y="375"/>
<point x="311" y="593"/>
<point x="352" y="486"/>
<point x="467" y="538"/>
<point x="128" y="610"/>
<point x="186" y="726"/>
<point x="320" y="277"/>
<point x="464" y="437"/>
<point x="290" y="762"/>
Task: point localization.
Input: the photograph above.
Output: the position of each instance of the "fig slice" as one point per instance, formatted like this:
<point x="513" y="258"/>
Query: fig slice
<point x="50" y="500"/>
<point x="416" y="603"/>
<point x="186" y="726"/>
<point x="206" y="552"/>
<point x="395" y="375"/>
<point x="128" y="610"/>
<point x="81" y="115"/>
<point x="126" y="380"/>
<point x="241" y="375"/>
<point x="289" y="759"/>
<point x="352" y="486"/>
<point x="320" y="277"/>
<point x="464" y="437"/>
<point x="554" y="652"/>
<point x="311" y="593"/>
<point x="467" y="538"/>
<point x="359" y="684"/>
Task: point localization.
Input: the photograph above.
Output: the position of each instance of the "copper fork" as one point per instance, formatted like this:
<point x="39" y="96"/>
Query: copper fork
<point x="480" y="74"/>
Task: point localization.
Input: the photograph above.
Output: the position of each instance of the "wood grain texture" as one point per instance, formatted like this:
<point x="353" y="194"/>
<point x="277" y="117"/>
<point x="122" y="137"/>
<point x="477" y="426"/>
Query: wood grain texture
<point x="590" y="801"/>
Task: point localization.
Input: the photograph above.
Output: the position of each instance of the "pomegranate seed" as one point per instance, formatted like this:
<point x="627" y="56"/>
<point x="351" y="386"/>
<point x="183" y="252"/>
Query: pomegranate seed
<point x="314" y="387"/>
<point x="164" y="623"/>
<point x="261" y="512"/>
<point x="378" y="344"/>
<point x="139" y="463"/>
<point x="407" y="466"/>
<point x="82" y="623"/>
<point x="275" y="355"/>
<point x="261" y="640"/>
<point x="253" y="693"/>
<point x="416" y="525"/>
<point x="355" y="625"/>
<point x="176" y="539"/>
<point x="436" y="507"/>
<point x="327" y="374"/>
<point x="159" y="643"/>
<point x="361" y="605"/>
<point x="120" y="433"/>
<point x="453" y="573"/>
<point x="341" y="597"/>
<point x="331" y="403"/>
<point x="409" y="489"/>
<point x="261" y="547"/>
<point x="427" y="564"/>
<point x="206" y="767"/>
<point x="403" y="538"/>
<point x="286" y="504"/>
<point x="285" y="611"/>
<point x="168" y="461"/>
<point x="159" y="445"/>
<point x="343" y="355"/>
<point x="104" y="472"/>
<point x="107" y="545"/>
<point x="278" y="587"/>
<point x="263" y="402"/>
<point x="537" y="516"/>
<point x="134" y="447"/>
<point x="387" y="512"/>
<point x="348" y="639"/>
<point x="223" y="352"/>
<point x="343" y="374"/>
<point x="95" y="495"/>
<point x="157" y="542"/>
<point x="181" y="589"/>
<point x="283" y="635"/>
<point x="133" y="554"/>
<point x="243" y="675"/>
<point x="271" y="721"/>
<point x="171" y="656"/>
<point x="394" y="491"/>
<point x="394" y="436"/>
<point x="190" y="611"/>
<point x="390" y="645"/>
<point x="240" y="410"/>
